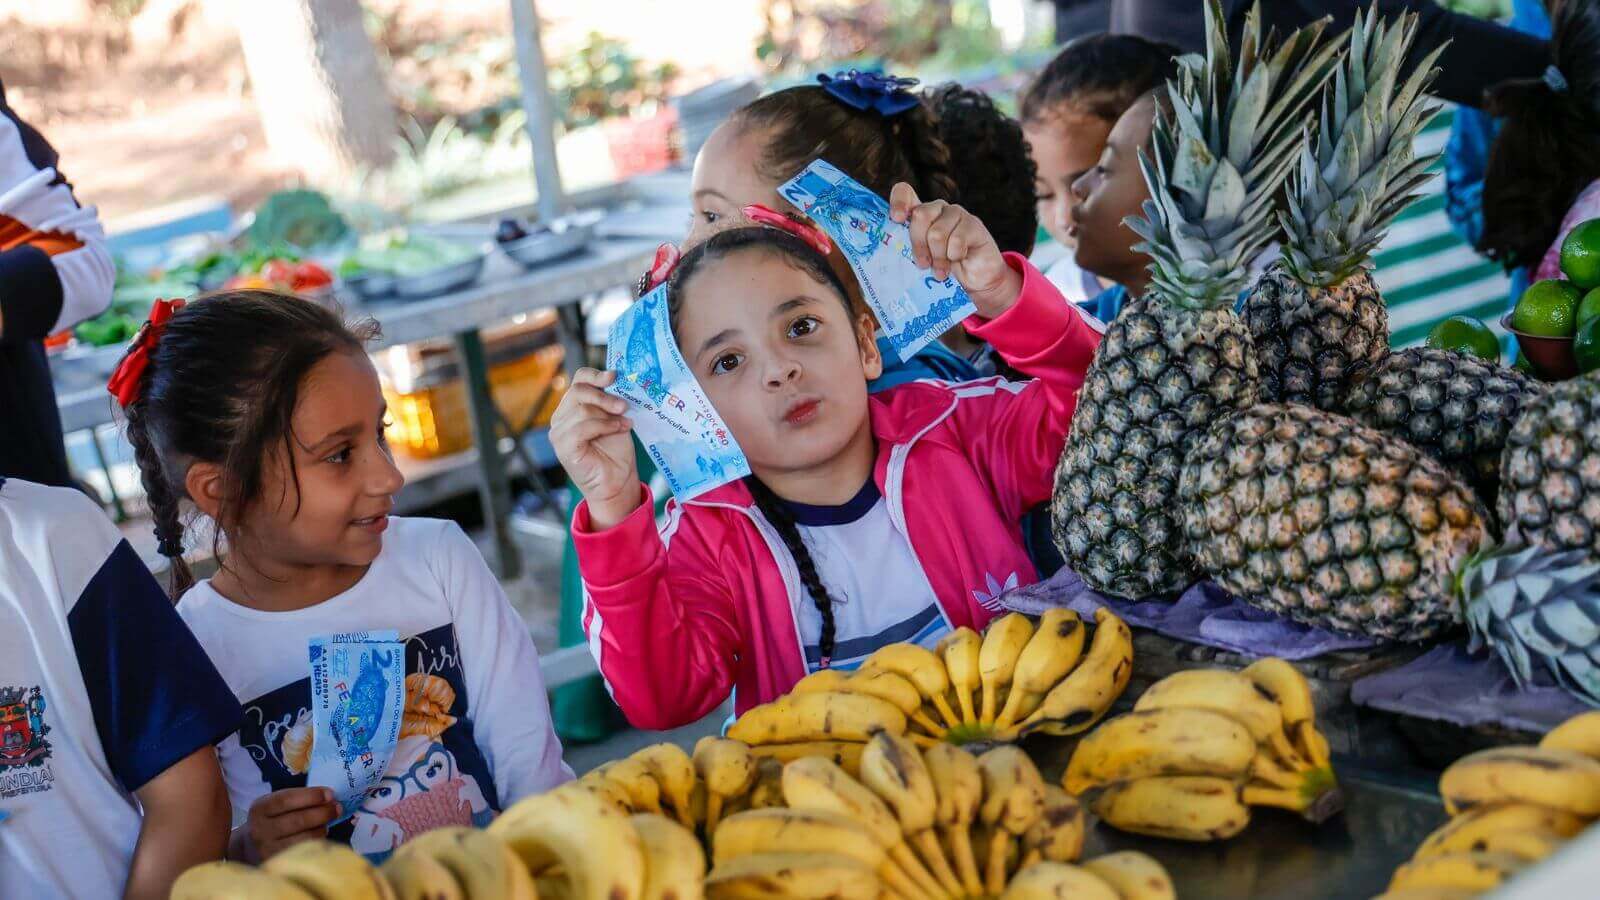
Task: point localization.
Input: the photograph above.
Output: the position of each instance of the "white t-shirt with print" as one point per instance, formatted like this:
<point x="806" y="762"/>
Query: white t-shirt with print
<point x="101" y="690"/>
<point x="881" y="595"/>
<point x="476" y="736"/>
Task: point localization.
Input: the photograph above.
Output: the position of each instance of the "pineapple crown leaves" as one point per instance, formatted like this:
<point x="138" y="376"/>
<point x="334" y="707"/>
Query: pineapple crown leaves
<point x="1529" y="605"/>
<point x="1358" y="170"/>
<point x="1221" y="152"/>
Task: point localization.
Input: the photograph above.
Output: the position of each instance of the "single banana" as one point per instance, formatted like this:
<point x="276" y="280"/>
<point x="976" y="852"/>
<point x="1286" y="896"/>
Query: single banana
<point x="1057" y="881"/>
<point x="1218" y="690"/>
<point x="727" y="769"/>
<point x="595" y="845"/>
<point x="1080" y="699"/>
<point x="1172" y="741"/>
<point x="958" y="783"/>
<point x="893" y="768"/>
<point x="234" y="881"/>
<point x="1058" y="834"/>
<point x="817" y="717"/>
<point x="1559" y="779"/>
<point x="816" y="783"/>
<point x="1003" y="642"/>
<point x="330" y="871"/>
<point x="1580" y="734"/>
<point x="610" y="791"/>
<point x="921" y="668"/>
<point x="797" y="831"/>
<point x="481" y="863"/>
<point x="1471" y="870"/>
<point x="1013" y="800"/>
<point x="846" y="753"/>
<point x="960" y="650"/>
<point x="673" y="770"/>
<point x="804" y="876"/>
<point x="1056" y="646"/>
<point x="417" y="876"/>
<point x="897" y="689"/>
<point x="1134" y="875"/>
<point x="1180" y="807"/>
<point x="675" y="866"/>
<point x="822" y="681"/>
<point x="1469" y="830"/>
<point x="633" y="777"/>
<point x="1288" y="688"/>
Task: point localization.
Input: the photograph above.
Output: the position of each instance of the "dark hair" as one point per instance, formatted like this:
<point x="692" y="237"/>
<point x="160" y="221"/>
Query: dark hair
<point x="808" y="124"/>
<point x="221" y="387"/>
<point x="799" y="254"/>
<point x="993" y="168"/>
<point x="1548" y="147"/>
<point x="1101" y="75"/>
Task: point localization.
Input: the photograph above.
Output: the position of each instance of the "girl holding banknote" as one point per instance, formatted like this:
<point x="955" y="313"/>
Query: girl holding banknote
<point x="867" y="519"/>
<point x="263" y="412"/>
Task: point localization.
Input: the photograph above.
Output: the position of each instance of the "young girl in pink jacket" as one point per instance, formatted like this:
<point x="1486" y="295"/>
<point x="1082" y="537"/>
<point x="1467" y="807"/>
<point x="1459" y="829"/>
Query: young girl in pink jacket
<point x="866" y="521"/>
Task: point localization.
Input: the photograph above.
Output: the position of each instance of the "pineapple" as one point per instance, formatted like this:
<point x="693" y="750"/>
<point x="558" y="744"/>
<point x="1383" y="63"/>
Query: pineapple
<point x="1179" y="357"/>
<point x="1458" y="409"/>
<point x="1306" y="514"/>
<point x="1550" y="473"/>
<point x="1317" y="311"/>
<point x="1530" y="604"/>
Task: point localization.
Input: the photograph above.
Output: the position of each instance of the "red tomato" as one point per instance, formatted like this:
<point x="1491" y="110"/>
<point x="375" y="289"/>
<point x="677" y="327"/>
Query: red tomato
<point x="279" y="271"/>
<point x="309" y="276"/>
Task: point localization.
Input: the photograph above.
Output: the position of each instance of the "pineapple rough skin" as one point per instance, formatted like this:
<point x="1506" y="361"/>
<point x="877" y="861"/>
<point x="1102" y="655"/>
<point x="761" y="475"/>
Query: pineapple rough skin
<point x="1309" y="339"/>
<point x="1308" y="515"/>
<point x="1456" y="408"/>
<point x="1550" y="473"/>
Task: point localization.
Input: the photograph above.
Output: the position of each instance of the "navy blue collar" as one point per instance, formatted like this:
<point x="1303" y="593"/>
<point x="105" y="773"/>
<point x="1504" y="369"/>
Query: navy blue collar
<point x="818" y="516"/>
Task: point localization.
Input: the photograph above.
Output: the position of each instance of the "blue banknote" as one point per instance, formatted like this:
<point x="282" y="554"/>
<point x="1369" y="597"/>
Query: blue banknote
<point x="358" y="696"/>
<point x="683" y="434"/>
<point x="911" y="305"/>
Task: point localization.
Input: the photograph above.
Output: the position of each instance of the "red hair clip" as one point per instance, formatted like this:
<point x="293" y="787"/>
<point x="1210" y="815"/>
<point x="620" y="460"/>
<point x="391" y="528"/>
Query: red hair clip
<point x="660" y="270"/>
<point x="124" y="381"/>
<point x="805" y="231"/>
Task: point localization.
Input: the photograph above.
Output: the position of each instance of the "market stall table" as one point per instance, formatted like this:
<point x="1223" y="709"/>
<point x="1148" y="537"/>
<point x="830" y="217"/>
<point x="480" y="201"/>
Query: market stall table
<point x="504" y="291"/>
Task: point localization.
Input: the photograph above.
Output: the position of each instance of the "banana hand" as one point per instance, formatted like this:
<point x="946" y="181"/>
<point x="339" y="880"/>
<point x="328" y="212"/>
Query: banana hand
<point x="590" y="845"/>
<point x="1080" y="699"/>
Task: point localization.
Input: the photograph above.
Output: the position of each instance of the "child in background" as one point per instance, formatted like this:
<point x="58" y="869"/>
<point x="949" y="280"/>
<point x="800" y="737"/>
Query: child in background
<point x="1068" y="113"/>
<point x="264" y="411"/>
<point x="1541" y="179"/>
<point x="995" y="177"/>
<point x="867" y="519"/>
<point x="109" y="710"/>
<point x="1106" y="195"/>
<point x="869" y="126"/>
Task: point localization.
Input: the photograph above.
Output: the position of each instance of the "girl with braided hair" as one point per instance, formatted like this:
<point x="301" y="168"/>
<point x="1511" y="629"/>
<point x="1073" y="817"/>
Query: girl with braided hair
<point x="263" y="412"/>
<point x="867" y="519"/>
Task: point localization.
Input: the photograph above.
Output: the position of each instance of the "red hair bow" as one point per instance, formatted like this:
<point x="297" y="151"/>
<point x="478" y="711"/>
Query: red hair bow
<point x="805" y="231"/>
<point x="124" y="382"/>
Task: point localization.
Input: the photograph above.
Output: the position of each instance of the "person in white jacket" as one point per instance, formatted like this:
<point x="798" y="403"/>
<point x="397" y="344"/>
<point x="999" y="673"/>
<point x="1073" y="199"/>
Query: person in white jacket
<point x="55" y="272"/>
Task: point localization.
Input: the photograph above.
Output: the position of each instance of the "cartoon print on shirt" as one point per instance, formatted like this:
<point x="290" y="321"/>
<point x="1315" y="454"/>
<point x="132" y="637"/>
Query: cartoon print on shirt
<point x="422" y="790"/>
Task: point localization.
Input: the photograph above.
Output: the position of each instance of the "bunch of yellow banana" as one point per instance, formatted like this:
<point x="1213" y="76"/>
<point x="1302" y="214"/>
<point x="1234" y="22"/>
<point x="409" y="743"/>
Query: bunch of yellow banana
<point x="1012" y="680"/>
<point x="1201" y="747"/>
<point x="1510" y="807"/>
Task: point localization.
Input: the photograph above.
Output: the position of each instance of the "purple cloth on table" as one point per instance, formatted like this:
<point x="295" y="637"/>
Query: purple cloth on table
<point x="1204" y="614"/>
<point x="1449" y="684"/>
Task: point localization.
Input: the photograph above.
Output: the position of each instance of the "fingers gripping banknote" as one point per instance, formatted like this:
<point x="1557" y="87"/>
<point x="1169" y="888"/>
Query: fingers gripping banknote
<point x="685" y="437"/>
<point x="911" y="305"/>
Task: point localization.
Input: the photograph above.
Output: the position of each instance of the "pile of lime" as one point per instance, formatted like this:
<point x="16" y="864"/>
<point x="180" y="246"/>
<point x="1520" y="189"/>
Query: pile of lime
<point x="1568" y="307"/>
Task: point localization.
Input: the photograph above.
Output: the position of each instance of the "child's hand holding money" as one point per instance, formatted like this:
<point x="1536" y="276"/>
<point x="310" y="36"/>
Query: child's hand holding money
<point x="281" y="819"/>
<point x="952" y="241"/>
<point x="592" y="440"/>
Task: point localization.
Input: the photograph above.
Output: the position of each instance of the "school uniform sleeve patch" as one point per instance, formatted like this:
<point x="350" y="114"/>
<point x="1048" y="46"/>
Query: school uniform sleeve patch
<point x="156" y="695"/>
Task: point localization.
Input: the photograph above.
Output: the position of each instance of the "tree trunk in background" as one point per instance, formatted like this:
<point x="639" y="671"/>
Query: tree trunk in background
<point x="323" y="100"/>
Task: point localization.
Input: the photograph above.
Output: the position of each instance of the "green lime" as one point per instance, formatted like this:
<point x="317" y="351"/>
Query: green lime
<point x="1548" y="308"/>
<point x="1588" y="307"/>
<point x="1586" y="346"/>
<point x="1467" y="335"/>
<point x="1580" y="255"/>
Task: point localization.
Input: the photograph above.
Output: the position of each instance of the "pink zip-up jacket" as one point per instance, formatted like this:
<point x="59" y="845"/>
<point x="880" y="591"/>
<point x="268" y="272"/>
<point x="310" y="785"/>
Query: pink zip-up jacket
<point x="678" y="616"/>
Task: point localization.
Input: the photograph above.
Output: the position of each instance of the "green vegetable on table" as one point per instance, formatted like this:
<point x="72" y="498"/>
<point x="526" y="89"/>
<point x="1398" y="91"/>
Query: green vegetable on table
<point x="107" y="329"/>
<point x="300" y="218"/>
<point x="405" y="255"/>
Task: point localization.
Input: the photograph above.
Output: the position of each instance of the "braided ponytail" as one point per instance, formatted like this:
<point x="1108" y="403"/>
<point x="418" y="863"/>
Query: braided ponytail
<point x="162" y="499"/>
<point x="774" y="510"/>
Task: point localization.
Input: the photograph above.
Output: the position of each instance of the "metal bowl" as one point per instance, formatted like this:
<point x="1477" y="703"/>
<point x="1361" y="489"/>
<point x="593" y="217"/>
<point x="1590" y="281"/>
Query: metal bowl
<point x="547" y="246"/>
<point x="372" y="285"/>
<point x="438" y="281"/>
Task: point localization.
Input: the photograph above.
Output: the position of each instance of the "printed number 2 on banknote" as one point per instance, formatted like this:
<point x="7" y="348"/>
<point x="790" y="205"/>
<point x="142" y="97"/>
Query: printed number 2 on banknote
<point x="912" y="306"/>
<point x="683" y="434"/>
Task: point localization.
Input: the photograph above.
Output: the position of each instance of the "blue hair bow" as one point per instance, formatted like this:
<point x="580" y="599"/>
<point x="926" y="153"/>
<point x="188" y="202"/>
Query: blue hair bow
<point x="886" y="95"/>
